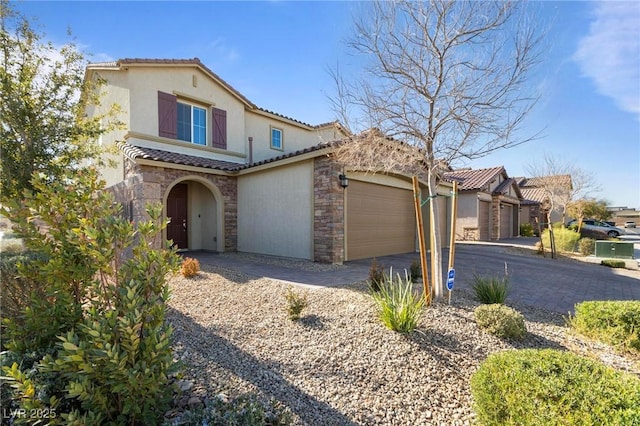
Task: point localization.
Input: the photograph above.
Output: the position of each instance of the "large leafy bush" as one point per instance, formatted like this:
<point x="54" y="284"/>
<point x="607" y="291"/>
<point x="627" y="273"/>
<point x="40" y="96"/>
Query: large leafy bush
<point x="101" y="322"/>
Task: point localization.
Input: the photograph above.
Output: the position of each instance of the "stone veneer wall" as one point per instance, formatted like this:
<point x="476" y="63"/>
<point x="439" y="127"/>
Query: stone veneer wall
<point x="495" y="217"/>
<point x="328" y="217"/>
<point x="145" y="184"/>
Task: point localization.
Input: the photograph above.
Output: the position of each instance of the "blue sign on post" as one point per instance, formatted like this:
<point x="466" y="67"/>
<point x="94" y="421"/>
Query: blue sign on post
<point x="452" y="275"/>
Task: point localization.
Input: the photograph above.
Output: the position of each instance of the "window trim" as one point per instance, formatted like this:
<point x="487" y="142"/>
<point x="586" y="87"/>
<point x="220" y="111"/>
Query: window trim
<point x="207" y="121"/>
<point x="277" y="148"/>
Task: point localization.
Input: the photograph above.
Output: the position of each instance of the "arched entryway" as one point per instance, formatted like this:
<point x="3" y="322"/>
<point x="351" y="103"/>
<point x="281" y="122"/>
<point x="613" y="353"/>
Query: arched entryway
<point x="194" y="208"/>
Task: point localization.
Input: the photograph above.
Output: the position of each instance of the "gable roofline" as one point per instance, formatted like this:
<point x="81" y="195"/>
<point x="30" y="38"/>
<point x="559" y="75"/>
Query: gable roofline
<point x="541" y="181"/>
<point x="475" y="179"/>
<point x="196" y="63"/>
<point x="504" y="187"/>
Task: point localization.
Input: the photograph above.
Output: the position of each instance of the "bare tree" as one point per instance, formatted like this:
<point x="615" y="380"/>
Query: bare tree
<point x="562" y="182"/>
<point x="447" y="79"/>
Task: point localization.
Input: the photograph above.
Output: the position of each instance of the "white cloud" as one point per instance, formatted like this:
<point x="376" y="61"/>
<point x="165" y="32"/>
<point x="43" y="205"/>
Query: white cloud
<point x="220" y="48"/>
<point x="610" y="53"/>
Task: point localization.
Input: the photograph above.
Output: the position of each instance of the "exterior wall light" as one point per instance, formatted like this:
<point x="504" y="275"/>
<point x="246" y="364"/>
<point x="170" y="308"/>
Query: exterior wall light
<point x="344" y="180"/>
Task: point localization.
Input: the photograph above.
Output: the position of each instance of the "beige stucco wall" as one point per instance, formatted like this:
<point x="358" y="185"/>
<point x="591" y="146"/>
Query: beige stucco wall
<point x="113" y="93"/>
<point x="202" y="218"/>
<point x="258" y="126"/>
<point x="136" y="87"/>
<point x="467" y="214"/>
<point x="275" y="211"/>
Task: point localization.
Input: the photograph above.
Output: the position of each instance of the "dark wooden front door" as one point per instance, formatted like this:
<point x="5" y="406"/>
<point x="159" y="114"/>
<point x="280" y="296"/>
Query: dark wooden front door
<point x="177" y="214"/>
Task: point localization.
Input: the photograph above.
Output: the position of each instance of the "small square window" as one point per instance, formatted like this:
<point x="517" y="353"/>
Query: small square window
<point x="276" y="139"/>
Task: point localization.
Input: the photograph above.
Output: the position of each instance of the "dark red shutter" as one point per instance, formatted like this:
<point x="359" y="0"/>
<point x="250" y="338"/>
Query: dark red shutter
<point x="167" y="115"/>
<point x="219" y="128"/>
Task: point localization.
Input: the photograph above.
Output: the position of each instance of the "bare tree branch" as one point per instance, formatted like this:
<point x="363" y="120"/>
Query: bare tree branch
<point x="449" y="78"/>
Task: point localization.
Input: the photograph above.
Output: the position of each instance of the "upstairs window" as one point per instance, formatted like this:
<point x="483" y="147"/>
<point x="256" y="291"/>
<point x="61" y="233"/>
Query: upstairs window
<point x="192" y="124"/>
<point x="189" y="122"/>
<point x="277" y="139"/>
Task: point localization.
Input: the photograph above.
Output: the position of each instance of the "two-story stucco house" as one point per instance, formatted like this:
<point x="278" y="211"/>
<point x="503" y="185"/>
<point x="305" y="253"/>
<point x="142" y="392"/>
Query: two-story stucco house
<point x="488" y="204"/>
<point x="233" y="176"/>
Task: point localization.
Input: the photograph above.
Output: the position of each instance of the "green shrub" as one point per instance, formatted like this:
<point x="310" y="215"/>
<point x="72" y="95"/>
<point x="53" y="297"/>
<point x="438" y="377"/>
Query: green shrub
<point x="295" y="304"/>
<point x="243" y="410"/>
<point x="587" y="246"/>
<point x="526" y="230"/>
<point x="548" y="387"/>
<point x="415" y="270"/>
<point x="15" y="288"/>
<point x="107" y="293"/>
<point x="613" y="322"/>
<point x="490" y="289"/>
<point x="612" y="263"/>
<point x="376" y="275"/>
<point x="566" y="239"/>
<point x="399" y="307"/>
<point x="501" y="321"/>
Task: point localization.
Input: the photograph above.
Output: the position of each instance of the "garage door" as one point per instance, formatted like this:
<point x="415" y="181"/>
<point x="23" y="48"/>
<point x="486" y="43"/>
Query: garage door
<point x="380" y="220"/>
<point x="506" y="221"/>
<point x="484" y="216"/>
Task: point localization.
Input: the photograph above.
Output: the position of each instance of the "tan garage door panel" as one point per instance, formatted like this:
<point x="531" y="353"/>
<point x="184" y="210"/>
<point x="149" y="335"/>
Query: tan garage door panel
<point x="506" y="217"/>
<point x="484" y="212"/>
<point x="380" y="220"/>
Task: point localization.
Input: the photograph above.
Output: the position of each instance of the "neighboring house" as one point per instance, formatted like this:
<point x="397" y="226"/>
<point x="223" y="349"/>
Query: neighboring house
<point x="488" y="204"/>
<point x="536" y="193"/>
<point x="233" y="176"/>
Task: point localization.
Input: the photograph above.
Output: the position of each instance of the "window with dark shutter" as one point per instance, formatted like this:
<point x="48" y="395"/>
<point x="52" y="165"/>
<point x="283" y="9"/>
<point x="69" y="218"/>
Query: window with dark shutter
<point x="167" y="115"/>
<point x="219" y="128"/>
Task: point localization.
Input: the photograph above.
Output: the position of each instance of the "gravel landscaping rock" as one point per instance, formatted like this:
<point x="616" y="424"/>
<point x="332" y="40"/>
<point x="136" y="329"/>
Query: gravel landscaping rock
<point x="338" y="365"/>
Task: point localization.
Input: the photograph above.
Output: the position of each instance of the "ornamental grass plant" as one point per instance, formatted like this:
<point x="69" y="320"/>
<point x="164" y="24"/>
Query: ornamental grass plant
<point x="399" y="307"/>
<point x="490" y="290"/>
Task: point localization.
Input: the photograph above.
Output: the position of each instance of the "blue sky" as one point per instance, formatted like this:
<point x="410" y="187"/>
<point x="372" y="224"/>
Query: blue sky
<point x="277" y="54"/>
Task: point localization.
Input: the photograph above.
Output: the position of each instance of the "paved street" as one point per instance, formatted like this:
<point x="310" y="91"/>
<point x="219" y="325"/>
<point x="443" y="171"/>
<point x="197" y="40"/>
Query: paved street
<point x="552" y="284"/>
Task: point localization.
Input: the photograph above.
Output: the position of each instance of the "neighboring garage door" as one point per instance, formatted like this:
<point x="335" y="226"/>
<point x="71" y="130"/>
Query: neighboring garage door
<point x="484" y="215"/>
<point x="380" y="220"/>
<point x="506" y="221"/>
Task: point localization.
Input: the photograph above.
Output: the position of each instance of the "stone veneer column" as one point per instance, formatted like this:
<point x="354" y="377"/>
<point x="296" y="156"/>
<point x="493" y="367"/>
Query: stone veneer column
<point x="328" y="218"/>
<point x="495" y="217"/>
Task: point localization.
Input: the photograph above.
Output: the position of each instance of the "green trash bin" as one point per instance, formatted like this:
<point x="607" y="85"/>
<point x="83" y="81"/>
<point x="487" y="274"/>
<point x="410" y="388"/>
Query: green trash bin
<point x="614" y="249"/>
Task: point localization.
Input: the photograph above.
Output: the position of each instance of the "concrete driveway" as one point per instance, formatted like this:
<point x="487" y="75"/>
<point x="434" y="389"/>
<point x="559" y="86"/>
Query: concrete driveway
<point x="552" y="284"/>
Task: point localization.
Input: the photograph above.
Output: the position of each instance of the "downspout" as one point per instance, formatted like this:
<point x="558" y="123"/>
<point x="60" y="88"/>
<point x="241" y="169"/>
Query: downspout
<point x="250" y="159"/>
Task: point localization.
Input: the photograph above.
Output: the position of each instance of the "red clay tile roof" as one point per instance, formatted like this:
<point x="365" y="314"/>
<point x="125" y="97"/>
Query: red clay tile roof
<point x="534" y="182"/>
<point x="474" y="179"/>
<point x="503" y="188"/>
<point x="135" y="152"/>
<point x="534" y="195"/>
